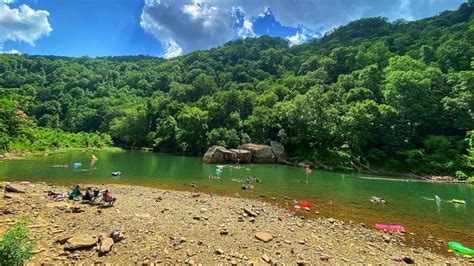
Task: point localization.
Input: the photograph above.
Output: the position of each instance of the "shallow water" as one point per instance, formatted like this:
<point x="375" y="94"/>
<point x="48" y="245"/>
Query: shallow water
<point x="341" y="195"/>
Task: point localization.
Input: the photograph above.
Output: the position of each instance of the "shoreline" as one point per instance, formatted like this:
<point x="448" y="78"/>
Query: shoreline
<point x="183" y="227"/>
<point x="18" y="155"/>
<point x="428" y="178"/>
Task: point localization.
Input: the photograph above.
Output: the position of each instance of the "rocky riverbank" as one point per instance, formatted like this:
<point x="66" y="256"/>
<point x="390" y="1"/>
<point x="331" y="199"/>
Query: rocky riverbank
<point x="161" y="226"/>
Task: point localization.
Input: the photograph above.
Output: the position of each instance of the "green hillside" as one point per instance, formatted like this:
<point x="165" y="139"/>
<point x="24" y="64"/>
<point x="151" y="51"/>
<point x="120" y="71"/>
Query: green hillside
<point x="393" y="95"/>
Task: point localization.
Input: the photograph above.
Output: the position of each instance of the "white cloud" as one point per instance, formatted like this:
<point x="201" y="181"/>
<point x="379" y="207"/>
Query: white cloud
<point x="22" y="24"/>
<point x="192" y="25"/>
<point x="172" y="49"/>
<point x="201" y="24"/>
<point x="246" y="30"/>
<point x="11" y="51"/>
<point x="297" y="39"/>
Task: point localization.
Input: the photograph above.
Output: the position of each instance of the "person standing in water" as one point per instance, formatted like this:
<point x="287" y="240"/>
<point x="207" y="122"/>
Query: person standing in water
<point x="308" y="172"/>
<point x="93" y="160"/>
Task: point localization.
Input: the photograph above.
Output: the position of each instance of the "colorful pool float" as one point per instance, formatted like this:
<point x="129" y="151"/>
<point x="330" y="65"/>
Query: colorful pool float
<point x="459" y="248"/>
<point x="390" y="227"/>
<point x="24" y="183"/>
<point x="458" y="201"/>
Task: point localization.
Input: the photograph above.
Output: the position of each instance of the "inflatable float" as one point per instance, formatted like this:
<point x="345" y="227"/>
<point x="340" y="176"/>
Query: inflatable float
<point x="24" y="183"/>
<point x="304" y="204"/>
<point x="459" y="248"/>
<point x="458" y="201"/>
<point x="76" y="165"/>
<point x="390" y="227"/>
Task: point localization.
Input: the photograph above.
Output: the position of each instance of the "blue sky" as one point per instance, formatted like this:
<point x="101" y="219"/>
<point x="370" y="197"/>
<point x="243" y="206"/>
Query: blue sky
<point x="172" y="27"/>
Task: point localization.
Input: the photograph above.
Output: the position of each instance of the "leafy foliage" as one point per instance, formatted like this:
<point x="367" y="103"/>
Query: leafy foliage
<point x="18" y="132"/>
<point x="391" y="94"/>
<point x="15" y="247"/>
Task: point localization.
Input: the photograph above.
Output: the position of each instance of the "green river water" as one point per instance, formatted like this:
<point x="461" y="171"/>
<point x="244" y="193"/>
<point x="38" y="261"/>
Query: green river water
<point x="333" y="194"/>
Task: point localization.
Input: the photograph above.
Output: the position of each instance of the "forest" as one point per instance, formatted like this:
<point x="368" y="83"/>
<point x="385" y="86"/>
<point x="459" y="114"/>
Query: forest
<point x="378" y="94"/>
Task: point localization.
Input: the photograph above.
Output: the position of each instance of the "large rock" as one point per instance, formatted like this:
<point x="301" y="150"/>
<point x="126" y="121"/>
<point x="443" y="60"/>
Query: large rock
<point x="278" y="151"/>
<point x="106" y="244"/>
<point x="81" y="241"/>
<point x="244" y="156"/>
<point x="13" y="189"/>
<point x="264" y="236"/>
<point x="219" y="154"/>
<point x="260" y="153"/>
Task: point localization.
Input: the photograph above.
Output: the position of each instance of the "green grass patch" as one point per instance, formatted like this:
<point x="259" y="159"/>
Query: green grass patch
<point x="15" y="246"/>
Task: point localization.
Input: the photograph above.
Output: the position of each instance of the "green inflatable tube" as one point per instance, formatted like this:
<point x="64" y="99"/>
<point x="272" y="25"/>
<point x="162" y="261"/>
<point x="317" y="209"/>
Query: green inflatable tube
<point x="459" y="248"/>
<point x="459" y="201"/>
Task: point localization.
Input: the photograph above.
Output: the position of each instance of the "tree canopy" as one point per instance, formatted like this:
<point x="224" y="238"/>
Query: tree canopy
<point x="394" y="94"/>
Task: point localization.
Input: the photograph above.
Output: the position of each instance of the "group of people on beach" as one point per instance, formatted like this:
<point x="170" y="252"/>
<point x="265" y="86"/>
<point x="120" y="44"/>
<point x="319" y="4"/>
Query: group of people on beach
<point x="92" y="195"/>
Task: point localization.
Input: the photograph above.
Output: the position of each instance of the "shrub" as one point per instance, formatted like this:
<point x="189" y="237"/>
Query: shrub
<point x="15" y="247"/>
<point x="461" y="175"/>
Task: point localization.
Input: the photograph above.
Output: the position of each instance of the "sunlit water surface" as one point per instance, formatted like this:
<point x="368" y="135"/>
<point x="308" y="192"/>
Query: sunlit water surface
<point x="333" y="194"/>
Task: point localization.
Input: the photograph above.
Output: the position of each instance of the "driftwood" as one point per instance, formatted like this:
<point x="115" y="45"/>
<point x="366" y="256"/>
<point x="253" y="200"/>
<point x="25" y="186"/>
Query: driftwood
<point x="361" y="167"/>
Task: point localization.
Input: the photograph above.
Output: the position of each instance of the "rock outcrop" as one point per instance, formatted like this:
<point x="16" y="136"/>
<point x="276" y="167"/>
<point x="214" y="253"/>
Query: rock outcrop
<point x="219" y="154"/>
<point x="244" y="156"/>
<point x="278" y="151"/>
<point x="246" y="153"/>
<point x="260" y="153"/>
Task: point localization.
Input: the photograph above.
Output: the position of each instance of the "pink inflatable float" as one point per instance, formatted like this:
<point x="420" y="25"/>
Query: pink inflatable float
<point x="390" y="227"/>
<point x="24" y="183"/>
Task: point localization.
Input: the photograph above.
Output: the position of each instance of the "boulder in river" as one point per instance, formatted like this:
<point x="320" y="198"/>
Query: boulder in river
<point x="81" y="241"/>
<point x="260" y="153"/>
<point x="244" y="156"/>
<point x="219" y="154"/>
<point x="278" y="151"/>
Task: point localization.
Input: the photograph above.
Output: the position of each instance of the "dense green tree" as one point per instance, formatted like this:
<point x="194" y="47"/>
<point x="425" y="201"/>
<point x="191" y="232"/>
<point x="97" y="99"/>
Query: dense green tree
<point x="396" y="95"/>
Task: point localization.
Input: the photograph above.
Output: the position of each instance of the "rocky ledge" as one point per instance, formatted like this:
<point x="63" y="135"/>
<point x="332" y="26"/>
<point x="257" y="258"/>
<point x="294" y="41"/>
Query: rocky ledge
<point x="247" y="153"/>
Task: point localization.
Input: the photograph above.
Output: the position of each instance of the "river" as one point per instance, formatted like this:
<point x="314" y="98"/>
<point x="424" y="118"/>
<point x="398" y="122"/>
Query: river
<point x="340" y="195"/>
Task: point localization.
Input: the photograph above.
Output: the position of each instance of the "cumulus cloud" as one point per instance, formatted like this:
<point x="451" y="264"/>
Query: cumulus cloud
<point x="297" y="39"/>
<point x="190" y="24"/>
<point x="22" y="24"/>
<point x="172" y="49"/>
<point x="11" y="51"/>
<point x="246" y="30"/>
<point x="201" y="24"/>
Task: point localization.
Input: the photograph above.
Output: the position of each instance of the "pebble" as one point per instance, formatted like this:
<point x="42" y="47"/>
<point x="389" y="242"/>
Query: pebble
<point x="303" y="263"/>
<point x="266" y="258"/>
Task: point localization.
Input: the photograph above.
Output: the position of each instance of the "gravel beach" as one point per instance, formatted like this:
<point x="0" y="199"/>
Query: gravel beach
<point x="169" y="227"/>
